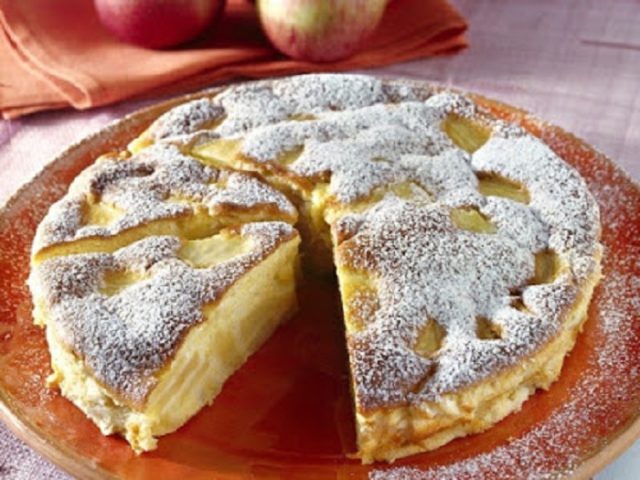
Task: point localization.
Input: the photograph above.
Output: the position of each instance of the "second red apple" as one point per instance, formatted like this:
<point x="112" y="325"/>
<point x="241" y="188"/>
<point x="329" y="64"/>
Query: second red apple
<point x="319" y="30"/>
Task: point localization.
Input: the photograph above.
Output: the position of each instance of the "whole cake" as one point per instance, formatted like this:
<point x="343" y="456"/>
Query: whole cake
<point x="466" y="253"/>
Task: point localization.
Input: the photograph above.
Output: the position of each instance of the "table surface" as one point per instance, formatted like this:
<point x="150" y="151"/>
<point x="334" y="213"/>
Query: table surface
<point x="575" y="63"/>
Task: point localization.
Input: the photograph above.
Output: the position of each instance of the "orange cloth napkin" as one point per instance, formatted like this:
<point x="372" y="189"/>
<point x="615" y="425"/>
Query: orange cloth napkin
<point x="56" y="54"/>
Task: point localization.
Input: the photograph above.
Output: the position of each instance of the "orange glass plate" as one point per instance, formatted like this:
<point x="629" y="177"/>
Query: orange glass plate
<point x="287" y="412"/>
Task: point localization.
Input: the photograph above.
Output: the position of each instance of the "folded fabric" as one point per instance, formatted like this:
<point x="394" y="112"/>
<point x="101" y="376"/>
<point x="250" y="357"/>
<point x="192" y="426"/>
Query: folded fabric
<point x="56" y="54"/>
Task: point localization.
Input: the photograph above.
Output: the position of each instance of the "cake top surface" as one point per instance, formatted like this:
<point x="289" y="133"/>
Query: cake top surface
<point x="349" y="129"/>
<point x="158" y="183"/>
<point x="425" y="265"/>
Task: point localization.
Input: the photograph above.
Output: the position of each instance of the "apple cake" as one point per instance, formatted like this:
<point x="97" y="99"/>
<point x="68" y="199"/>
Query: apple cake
<point x="466" y="253"/>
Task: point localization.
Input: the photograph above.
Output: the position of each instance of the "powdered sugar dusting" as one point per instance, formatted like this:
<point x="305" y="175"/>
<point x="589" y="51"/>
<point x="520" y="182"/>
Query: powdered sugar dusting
<point x="357" y="130"/>
<point x="186" y="118"/>
<point x="148" y="187"/>
<point x="559" y="196"/>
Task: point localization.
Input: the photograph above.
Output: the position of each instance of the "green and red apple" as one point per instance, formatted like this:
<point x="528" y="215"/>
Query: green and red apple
<point x="319" y="30"/>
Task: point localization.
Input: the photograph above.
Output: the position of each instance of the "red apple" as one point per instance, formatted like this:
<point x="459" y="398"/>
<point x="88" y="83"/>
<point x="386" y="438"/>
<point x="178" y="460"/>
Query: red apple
<point x="157" y="23"/>
<point x="319" y="30"/>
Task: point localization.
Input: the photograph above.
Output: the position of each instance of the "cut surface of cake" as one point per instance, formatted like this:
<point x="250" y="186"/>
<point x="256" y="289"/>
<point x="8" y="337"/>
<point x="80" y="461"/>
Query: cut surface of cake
<point x="466" y="253"/>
